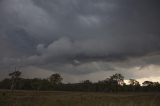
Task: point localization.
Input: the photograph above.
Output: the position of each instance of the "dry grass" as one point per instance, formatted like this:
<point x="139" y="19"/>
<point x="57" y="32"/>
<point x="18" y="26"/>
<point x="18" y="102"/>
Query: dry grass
<point x="31" y="98"/>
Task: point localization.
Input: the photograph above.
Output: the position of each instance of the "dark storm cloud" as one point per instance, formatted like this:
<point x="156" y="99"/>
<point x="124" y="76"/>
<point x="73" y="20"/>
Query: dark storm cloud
<point x="76" y="33"/>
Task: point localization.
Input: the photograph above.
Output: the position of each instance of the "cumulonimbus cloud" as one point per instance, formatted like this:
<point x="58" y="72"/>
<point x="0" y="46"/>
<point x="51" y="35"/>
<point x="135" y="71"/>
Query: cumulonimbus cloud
<point x="75" y="33"/>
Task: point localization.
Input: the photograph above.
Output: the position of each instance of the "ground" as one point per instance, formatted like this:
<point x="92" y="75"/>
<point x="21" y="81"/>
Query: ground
<point x="37" y="98"/>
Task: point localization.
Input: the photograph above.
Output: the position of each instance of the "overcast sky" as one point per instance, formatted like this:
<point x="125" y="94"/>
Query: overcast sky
<point x="81" y="39"/>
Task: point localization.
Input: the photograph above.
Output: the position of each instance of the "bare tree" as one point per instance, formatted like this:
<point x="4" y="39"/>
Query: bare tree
<point x="14" y="77"/>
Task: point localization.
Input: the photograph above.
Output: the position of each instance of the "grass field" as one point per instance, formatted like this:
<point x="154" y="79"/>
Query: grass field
<point x="31" y="98"/>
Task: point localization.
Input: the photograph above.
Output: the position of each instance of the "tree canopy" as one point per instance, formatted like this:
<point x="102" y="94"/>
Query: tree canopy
<point x="114" y="83"/>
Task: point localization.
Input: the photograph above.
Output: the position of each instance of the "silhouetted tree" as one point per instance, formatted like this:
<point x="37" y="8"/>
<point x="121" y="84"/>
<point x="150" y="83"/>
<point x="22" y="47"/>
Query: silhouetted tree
<point x="55" y="79"/>
<point x="147" y="83"/>
<point x="118" y="78"/>
<point x="86" y="85"/>
<point x="151" y="86"/>
<point x="115" y="82"/>
<point x="133" y="82"/>
<point x="14" y="77"/>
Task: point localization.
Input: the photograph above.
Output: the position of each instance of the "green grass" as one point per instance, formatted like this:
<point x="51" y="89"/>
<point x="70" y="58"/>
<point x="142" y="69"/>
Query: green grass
<point x="31" y="98"/>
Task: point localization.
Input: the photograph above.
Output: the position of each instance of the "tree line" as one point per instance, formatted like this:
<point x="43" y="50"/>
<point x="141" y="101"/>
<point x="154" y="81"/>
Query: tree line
<point x="114" y="83"/>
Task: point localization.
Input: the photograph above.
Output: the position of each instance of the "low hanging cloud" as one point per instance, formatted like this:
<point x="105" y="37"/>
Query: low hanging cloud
<point x="79" y="37"/>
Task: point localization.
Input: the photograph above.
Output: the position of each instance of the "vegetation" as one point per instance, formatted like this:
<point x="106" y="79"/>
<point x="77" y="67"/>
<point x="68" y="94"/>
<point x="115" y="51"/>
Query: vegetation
<point x="30" y="98"/>
<point x="114" y="83"/>
<point x="14" y="78"/>
<point x="52" y="92"/>
<point x="55" y="79"/>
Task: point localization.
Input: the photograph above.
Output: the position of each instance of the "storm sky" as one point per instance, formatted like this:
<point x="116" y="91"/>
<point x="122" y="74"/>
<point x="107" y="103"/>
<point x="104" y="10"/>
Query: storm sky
<point x="81" y="39"/>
